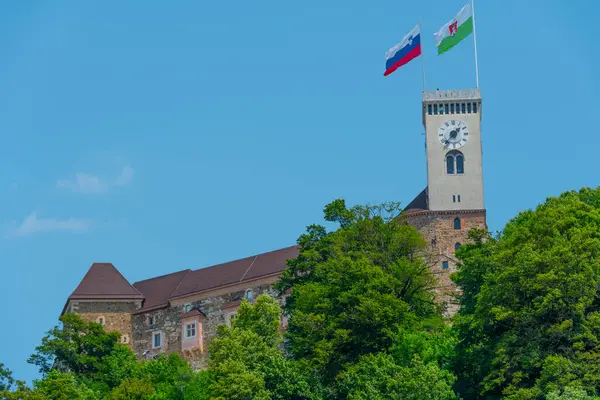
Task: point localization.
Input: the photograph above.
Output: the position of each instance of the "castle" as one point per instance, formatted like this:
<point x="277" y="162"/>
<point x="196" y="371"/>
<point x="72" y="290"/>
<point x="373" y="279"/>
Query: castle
<point x="180" y="312"/>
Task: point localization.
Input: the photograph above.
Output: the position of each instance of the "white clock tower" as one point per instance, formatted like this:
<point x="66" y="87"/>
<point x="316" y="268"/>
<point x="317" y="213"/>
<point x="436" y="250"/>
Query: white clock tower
<point x="452" y="120"/>
<point x="452" y="203"/>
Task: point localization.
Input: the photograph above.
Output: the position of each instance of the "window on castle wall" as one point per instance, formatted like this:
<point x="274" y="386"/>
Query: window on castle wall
<point x="444" y="264"/>
<point x="463" y="108"/>
<point x="125" y="339"/>
<point x="449" y="164"/>
<point x="457" y="246"/>
<point x="457" y="224"/>
<point x="435" y="109"/>
<point x="452" y="108"/>
<point x="151" y="321"/>
<point x="460" y="164"/>
<point x="156" y="340"/>
<point x="190" y="330"/>
<point x="249" y="294"/>
<point x="475" y="108"/>
<point x="429" y="109"/>
<point x="101" y="320"/>
<point x="230" y="316"/>
<point x="469" y="108"/>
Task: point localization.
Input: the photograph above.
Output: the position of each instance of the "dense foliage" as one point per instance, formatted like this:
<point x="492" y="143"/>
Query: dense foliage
<point x="364" y="323"/>
<point x="529" y="321"/>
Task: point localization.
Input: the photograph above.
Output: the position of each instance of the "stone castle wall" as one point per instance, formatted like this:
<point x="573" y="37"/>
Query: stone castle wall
<point x="117" y="316"/>
<point x="438" y="231"/>
<point x="168" y="322"/>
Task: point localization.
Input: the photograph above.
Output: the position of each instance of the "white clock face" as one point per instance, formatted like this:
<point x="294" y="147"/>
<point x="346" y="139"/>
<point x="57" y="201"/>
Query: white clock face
<point x="453" y="134"/>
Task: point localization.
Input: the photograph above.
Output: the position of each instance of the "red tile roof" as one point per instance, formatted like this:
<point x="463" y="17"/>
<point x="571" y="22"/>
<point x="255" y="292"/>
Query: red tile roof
<point x="157" y="290"/>
<point x="246" y="269"/>
<point x="104" y="281"/>
<point x="193" y="313"/>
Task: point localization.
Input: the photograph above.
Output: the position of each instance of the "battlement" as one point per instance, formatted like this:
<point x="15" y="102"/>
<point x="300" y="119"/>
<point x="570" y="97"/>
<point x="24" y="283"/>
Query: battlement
<point x="446" y="95"/>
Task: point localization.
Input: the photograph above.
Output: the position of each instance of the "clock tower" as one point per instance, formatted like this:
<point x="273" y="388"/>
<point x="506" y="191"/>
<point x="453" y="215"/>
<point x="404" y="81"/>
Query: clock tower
<point x="452" y="203"/>
<point x="452" y="121"/>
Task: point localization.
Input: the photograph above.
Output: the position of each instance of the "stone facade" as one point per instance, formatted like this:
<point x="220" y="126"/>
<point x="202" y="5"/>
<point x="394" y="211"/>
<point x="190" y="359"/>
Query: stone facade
<point x="115" y="315"/>
<point x="439" y="231"/>
<point x="216" y="308"/>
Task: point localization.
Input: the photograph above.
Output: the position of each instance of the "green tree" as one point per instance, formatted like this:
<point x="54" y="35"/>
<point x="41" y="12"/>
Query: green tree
<point x="132" y="389"/>
<point x="379" y="377"/>
<point x="168" y="375"/>
<point x="6" y="378"/>
<point x="353" y="288"/>
<point x="529" y="322"/>
<point x="198" y="387"/>
<point x="63" y="386"/>
<point x="246" y="361"/>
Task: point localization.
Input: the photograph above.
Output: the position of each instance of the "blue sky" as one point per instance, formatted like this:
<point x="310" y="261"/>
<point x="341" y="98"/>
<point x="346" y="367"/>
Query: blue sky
<point x="162" y="137"/>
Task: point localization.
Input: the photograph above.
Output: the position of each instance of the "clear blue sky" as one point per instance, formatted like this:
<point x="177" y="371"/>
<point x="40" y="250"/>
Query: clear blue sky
<point x="163" y="136"/>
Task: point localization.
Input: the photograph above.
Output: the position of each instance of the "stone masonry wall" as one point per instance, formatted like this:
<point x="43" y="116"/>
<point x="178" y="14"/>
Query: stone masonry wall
<point x="167" y="321"/>
<point x="117" y="315"/>
<point x="438" y="230"/>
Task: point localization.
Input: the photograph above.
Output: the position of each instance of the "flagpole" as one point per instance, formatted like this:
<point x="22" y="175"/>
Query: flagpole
<point x="475" y="44"/>
<point x="422" y="54"/>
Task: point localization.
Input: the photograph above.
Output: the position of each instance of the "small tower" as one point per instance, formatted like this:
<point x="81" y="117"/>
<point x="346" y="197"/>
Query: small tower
<point x="106" y="297"/>
<point x="452" y="203"/>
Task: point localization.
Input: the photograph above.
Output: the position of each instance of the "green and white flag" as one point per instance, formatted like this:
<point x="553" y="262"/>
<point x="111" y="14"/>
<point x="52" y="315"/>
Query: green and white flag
<point x="454" y="31"/>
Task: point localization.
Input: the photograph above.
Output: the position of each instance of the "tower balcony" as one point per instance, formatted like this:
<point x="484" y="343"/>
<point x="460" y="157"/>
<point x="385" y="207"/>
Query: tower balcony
<point x="442" y="97"/>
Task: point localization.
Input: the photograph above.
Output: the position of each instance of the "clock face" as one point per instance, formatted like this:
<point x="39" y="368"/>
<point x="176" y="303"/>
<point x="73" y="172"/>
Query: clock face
<point x="453" y="134"/>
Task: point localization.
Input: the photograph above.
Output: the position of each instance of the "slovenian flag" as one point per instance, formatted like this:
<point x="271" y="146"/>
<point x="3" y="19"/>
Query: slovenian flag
<point x="408" y="49"/>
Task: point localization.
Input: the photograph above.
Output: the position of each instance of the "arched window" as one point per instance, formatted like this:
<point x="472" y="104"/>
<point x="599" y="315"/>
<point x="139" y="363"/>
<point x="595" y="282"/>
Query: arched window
<point x="455" y="162"/>
<point x="457" y="224"/>
<point x="450" y="164"/>
<point x="460" y="164"/>
<point x="457" y="246"/>
<point x="249" y="294"/>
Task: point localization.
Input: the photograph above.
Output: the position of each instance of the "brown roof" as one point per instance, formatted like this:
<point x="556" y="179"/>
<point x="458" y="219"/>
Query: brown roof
<point x="157" y="290"/>
<point x="104" y="281"/>
<point x="193" y="313"/>
<point x="419" y="203"/>
<point x="235" y="271"/>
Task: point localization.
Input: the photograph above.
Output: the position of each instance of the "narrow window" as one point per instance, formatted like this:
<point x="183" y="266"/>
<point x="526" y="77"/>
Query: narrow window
<point x="447" y="108"/>
<point x="229" y="317"/>
<point x="457" y="108"/>
<point x="156" y="340"/>
<point x="463" y="108"/>
<point x="457" y="246"/>
<point x="469" y="108"/>
<point x="445" y="264"/>
<point x="454" y="198"/>
<point x="190" y="330"/>
<point x="450" y="164"/>
<point x="441" y="109"/>
<point x="452" y="108"/>
<point x="460" y="164"/>
<point x="249" y="294"/>
<point x="151" y="321"/>
<point x="188" y="307"/>
<point x="475" y="108"/>
<point x="459" y="198"/>
<point x="435" y="109"/>
<point x="124" y="339"/>
<point x="429" y="109"/>
<point x="457" y="224"/>
<point x="101" y="320"/>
